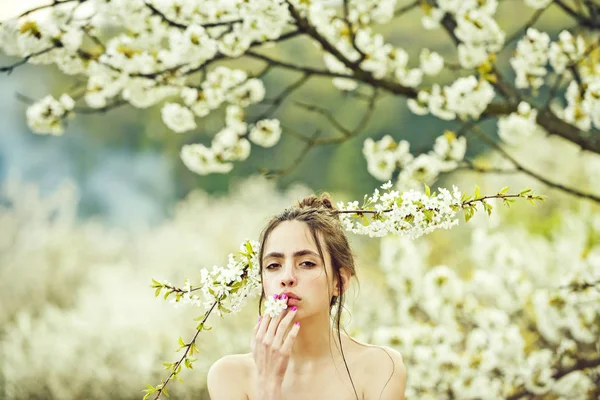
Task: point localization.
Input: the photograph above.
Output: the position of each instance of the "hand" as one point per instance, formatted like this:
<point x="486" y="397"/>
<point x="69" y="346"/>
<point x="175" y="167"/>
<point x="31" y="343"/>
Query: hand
<point x="271" y="349"/>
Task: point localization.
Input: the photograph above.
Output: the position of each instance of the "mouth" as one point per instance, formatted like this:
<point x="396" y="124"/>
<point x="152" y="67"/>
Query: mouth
<point x="290" y="296"/>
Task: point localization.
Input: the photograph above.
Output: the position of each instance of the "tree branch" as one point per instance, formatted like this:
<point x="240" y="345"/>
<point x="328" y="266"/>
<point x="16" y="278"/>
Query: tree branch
<point x="314" y="140"/>
<point x="534" y="18"/>
<point x="282" y="96"/>
<point x="475" y="129"/>
<point x="51" y="5"/>
<point x="175" y="24"/>
<point x="276" y="173"/>
<point x="579" y="365"/>
<point x="406" y="8"/>
<point x="9" y="69"/>
<point x="581" y="19"/>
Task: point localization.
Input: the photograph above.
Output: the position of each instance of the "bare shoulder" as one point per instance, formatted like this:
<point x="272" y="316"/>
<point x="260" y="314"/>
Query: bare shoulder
<point x="227" y="369"/>
<point x="386" y="373"/>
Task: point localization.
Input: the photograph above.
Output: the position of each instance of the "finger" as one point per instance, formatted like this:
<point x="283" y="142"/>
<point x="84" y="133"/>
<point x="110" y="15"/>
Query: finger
<point x="284" y="325"/>
<point x="255" y="331"/>
<point x="290" y="338"/>
<point x="273" y="324"/>
<point x="263" y="326"/>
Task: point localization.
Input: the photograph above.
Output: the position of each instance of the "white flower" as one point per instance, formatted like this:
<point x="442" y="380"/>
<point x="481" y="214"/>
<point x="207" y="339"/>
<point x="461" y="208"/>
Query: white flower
<point x="468" y="96"/>
<point x="471" y="56"/>
<point x="517" y="127"/>
<point x="424" y="169"/>
<point x="274" y="307"/>
<point x="432" y="18"/>
<point x="538" y="372"/>
<point x="531" y="56"/>
<point x="46" y="115"/>
<point x="566" y="51"/>
<point x="431" y="62"/>
<point x="409" y="77"/>
<point x="178" y="118"/>
<point x="203" y="161"/>
<point x="266" y="132"/>
<point x="450" y="150"/>
<point x="385" y="155"/>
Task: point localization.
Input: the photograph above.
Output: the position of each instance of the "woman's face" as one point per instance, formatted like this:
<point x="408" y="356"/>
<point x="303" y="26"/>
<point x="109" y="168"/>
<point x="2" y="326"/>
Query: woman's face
<point x="291" y="263"/>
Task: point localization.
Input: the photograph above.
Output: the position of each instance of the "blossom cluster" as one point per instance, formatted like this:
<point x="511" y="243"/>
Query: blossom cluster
<point x="498" y="328"/>
<point x="147" y="53"/>
<point x="274" y="307"/>
<point x="517" y="127"/>
<point x="410" y="213"/>
<point x="536" y="50"/>
<point x="477" y="31"/>
<point x="385" y="156"/>
<point x="46" y="116"/>
<point x="467" y="97"/>
<point x="228" y="287"/>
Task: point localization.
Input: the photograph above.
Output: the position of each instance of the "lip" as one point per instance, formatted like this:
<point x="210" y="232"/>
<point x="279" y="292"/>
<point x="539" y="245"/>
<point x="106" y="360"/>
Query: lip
<point x="290" y="295"/>
<point x="292" y="302"/>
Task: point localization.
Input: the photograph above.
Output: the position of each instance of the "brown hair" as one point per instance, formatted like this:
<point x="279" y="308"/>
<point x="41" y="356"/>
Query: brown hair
<point x="319" y="214"/>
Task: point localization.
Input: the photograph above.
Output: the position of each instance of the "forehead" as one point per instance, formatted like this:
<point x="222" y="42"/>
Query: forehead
<point x="290" y="236"/>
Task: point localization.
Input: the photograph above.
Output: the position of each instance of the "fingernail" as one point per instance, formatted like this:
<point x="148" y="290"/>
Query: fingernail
<point x="294" y="308"/>
<point x="259" y="318"/>
<point x="297" y="323"/>
<point x="275" y="296"/>
<point x="283" y="297"/>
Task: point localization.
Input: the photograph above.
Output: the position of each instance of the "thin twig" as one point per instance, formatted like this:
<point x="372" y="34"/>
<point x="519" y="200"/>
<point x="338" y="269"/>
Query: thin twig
<point x="406" y="8"/>
<point x="176" y="24"/>
<point x="529" y="172"/>
<point x="534" y="18"/>
<point x="188" y="346"/>
<point x="9" y="69"/>
<point x="283" y="95"/>
<point x="51" y="5"/>
<point x="276" y="173"/>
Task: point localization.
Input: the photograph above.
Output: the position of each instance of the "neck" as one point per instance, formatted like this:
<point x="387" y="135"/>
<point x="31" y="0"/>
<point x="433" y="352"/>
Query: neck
<point x="316" y="343"/>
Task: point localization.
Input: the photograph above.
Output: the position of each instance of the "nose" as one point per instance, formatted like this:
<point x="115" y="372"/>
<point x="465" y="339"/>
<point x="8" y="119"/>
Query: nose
<point x="288" y="279"/>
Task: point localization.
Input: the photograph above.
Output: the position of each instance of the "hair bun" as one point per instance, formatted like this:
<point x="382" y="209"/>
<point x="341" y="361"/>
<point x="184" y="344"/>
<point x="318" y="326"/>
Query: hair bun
<point x="312" y="201"/>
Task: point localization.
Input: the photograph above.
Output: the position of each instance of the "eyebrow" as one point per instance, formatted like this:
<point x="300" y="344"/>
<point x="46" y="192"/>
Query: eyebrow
<point x="298" y="253"/>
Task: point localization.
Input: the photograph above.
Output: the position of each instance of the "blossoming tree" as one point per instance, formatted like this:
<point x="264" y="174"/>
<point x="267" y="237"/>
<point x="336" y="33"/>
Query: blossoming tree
<point x="175" y="52"/>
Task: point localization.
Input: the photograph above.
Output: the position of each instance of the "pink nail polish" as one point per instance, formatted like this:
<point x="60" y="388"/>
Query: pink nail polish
<point x="297" y="323"/>
<point x="283" y="297"/>
<point x="275" y="296"/>
<point x="294" y="308"/>
<point x="259" y="318"/>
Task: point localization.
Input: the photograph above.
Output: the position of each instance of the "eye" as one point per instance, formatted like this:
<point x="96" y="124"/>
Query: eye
<point x="309" y="264"/>
<point x="271" y="266"/>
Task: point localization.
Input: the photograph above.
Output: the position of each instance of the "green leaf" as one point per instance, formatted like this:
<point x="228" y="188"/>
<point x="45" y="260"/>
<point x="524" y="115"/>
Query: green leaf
<point x="524" y="192"/>
<point x="167" y="365"/>
<point x="181" y="342"/>
<point x="504" y="190"/>
<point x="165" y="392"/>
<point x="477" y="192"/>
<point x="157" y="292"/>
<point x="224" y="309"/>
<point x="488" y="208"/>
<point x="468" y="213"/>
<point x="156" y="283"/>
<point x="427" y="191"/>
<point x="167" y="293"/>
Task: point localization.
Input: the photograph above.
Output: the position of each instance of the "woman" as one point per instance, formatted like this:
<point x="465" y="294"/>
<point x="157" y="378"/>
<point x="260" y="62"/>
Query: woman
<point x="305" y="259"/>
